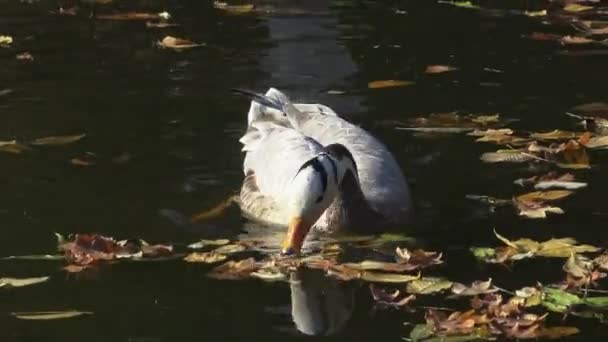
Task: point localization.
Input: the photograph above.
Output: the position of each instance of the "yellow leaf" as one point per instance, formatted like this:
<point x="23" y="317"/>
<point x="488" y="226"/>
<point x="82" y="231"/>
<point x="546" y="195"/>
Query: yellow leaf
<point x="577" y="8"/>
<point x="6" y="40"/>
<point x="554" y="135"/>
<point x="543" y="196"/>
<point x="177" y="44"/>
<point x="388" y="84"/>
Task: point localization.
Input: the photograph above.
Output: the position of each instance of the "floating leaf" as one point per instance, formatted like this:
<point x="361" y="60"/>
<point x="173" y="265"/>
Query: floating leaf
<point x="234" y="270"/>
<point x="25" y="56"/>
<point x="597" y="142"/>
<point x="428" y="285"/>
<point x="207" y="258"/>
<point x="388" y="84"/>
<point x="577" y="8"/>
<point x="230" y="249"/>
<point x="204" y="243"/>
<point x="49" y="315"/>
<point x="379" y="277"/>
<point x="510" y="156"/>
<point x="476" y="288"/>
<point x="540" y="13"/>
<point x="418" y="258"/>
<point x="130" y="16"/>
<point x="390" y="298"/>
<point x="20" y="282"/>
<point x="236" y="9"/>
<point x="161" y="24"/>
<point x="554" y="135"/>
<point x="543" y="196"/>
<point x="6" y="40"/>
<point x="269" y="274"/>
<point x="58" y="140"/>
<point x="12" y="147"/>
<point x="439" y="69"/>
<point x="177" y="44"/>
<point x="35" y="257"/>
<point x="576" y="40"/>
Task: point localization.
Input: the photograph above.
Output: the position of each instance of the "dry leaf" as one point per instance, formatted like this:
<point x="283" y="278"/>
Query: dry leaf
<point x="58" y="140"/>
<point x="509" y="156"/>
<point x="160" y="24"/>
<point x="204" y="243"/>
<point x="388" y="84"/>
<point x="428" y="285"/>
<point x="236" y="9"/>
<point x="129" y="16"/>
<point x="177" y="44"/>
<point x="49" y="315"/>
<point x="20" y="282"/>
<point x="577" y="8"/>
<point x="12" y="147"/>
<point x="6" y="40"/>
<point x="25" y="56"/>
<point x="575" y="40"/>
<point x="554" y="135"/>
<point x="438" y="69"/>
<point x="207" y="258"/>
<point x="234" y="270"/>
<point x="378" y="277"/>
<point x="543" y="196"/>
<point x="477" y="287"/>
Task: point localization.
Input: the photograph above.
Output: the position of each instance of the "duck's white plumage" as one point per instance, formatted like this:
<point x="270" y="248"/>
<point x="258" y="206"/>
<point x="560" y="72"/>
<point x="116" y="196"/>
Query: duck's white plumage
<point x="380" y="177"/>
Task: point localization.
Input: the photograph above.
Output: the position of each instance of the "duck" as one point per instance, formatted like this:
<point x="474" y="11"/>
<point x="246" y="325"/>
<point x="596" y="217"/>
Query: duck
<point x="306" y="168"/>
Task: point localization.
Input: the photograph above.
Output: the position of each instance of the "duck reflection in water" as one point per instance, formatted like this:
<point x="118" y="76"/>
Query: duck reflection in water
<point x="320" y="306"/>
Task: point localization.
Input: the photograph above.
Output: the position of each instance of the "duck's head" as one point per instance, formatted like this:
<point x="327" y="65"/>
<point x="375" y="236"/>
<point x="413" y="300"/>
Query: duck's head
<point x="313" y="189"/>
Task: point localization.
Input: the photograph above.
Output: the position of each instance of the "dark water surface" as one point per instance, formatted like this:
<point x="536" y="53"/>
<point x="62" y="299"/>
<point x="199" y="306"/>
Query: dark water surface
<point x="165" y="130"/>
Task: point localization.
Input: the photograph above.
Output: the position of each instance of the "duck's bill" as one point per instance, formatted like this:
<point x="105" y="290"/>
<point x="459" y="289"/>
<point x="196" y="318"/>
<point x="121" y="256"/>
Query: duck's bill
<point x="296" y="234"/>
<point x="259" y="98"/>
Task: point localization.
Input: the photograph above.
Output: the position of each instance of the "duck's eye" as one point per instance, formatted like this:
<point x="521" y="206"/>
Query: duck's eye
<point x="284" y="114"/>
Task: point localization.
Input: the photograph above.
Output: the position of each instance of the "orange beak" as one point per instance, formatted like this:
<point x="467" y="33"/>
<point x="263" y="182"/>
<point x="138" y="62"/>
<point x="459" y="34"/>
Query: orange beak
<point x="296" y="234"/>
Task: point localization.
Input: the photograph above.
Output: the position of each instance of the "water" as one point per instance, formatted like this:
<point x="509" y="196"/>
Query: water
<point x="164" y="129"/>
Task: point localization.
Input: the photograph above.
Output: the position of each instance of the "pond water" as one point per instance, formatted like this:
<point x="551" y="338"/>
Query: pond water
<point x="164" y="128"/>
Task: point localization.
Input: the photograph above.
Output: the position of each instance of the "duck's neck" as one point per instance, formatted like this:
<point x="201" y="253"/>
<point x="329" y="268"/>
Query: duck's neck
<point x="349" y="210"/>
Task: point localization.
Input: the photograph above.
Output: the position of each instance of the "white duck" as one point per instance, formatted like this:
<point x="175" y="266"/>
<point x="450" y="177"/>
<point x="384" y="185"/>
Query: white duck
<point x="306" y="167"/>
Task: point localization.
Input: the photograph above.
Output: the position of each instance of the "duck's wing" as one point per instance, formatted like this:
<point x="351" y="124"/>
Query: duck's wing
<point x="380" y="177"/>
<point x="275" y="154"/>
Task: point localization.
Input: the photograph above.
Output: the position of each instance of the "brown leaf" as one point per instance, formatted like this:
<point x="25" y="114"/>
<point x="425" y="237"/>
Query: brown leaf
<point x="597" y="142"/>
<point x="542" y="36"/>
<point x="510" y="156"/>
<point x="12" y="147"/>
<point x="575" y="40"/>
<point x="556" y="332"/>
<point x="177" y="44"/>
<point x="543" y="196"/>
<point x="418" y="258"/>
<point x="58" y="140"/>
<point x="234" y="270"/>
<point x="390" y="298"/>
<point x="438" y="69"/>
<point x="207" y="258"/>
<point x="388" y="84"/>
<point x="70" y="11"/>
<point x="85" y="160"/>
<point x="476" y="288"/>
<point x="554" y="135"/>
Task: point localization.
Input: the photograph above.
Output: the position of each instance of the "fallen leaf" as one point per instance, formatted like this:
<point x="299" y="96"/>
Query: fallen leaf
<point x="6" y="40"/>
<point x="58" y="140"/>
<point x="129" y="16"/>
<point x="592" y="108"/>
<point x="556" y="332"/>
<point x="418" y="258"/>
<point x="236" y="9"/>
<point x="49" y="315"/>
<point x="388" y="84"/>
<point x="540" y="13"/>
<point x="269" y="274"/>
<point x="207" y="258"/>
<point x="234" y="270"/>
<point x="573" y="7"/>
<point x="510" y="156"/>
<point x="20" y="282"/>
<point x="576" y="40"/>
<point x="25" y="56"/>
<point x="204" y="243"/>
<point x="542" y="36"/>
<point x="12" y="147"/>
<point x="390" y="298"/>
<point x="70" y="11"/>
<point x="543" y="196"/>
<point x="230" y="249"/>
<point x="85" y="160"/>
<point x="597" y="142"/>
<point x="438" y="69"/>
<point x="476" y="288"/>
<point x="428" y="285"/>
<point x="554" y="135"/>
<point x="379" y="277"/>
<point x="177" y="44"/>
<point x="35" y="257"/>
<point x="161" y="24"/>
